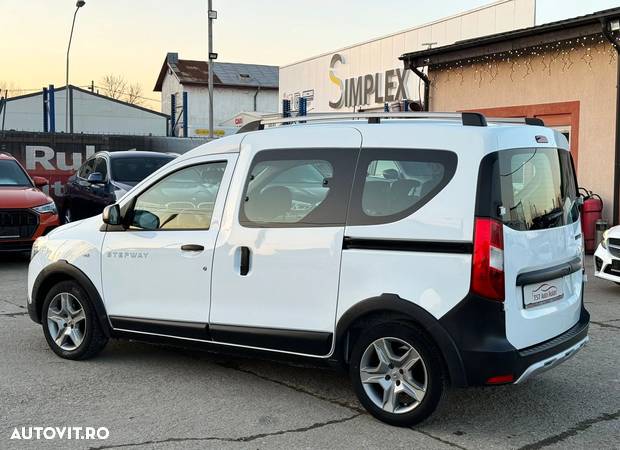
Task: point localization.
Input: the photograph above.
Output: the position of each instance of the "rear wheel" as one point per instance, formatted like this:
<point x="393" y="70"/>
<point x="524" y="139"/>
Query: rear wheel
<point x="70" y="324"/>
<point x="397" y="374"/>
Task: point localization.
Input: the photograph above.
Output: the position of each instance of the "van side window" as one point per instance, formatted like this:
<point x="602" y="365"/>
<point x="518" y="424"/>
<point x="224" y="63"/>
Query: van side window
<point x="184" y="200"/>
<point x="392" y="184"/>
<point x="297" y="188"/>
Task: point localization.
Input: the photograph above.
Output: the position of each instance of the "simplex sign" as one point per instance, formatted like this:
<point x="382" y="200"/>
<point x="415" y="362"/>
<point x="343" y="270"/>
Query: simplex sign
<point x="368" y="74"/>
<point x="368" y="89"/>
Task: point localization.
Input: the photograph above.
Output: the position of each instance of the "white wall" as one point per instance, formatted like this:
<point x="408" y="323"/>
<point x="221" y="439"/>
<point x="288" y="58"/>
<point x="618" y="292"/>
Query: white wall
<point x="381" y="55"/>
<point x="227" y="103"/>
<point x="91" y="114"/>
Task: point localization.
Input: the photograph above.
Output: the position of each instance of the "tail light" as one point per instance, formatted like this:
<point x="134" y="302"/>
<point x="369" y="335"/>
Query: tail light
<point x="487" y="275"/>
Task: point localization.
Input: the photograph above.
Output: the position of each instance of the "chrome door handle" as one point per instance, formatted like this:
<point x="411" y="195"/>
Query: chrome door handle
<point x="192" y="248"/>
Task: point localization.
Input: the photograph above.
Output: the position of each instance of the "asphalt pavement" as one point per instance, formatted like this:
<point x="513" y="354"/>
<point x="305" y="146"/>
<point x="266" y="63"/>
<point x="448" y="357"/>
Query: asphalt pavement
<point x="161" y="397"/>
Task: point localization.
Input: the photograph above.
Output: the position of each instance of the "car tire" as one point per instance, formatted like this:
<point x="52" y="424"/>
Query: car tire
<point x="386" y="394"/>
<point x="70" y="323"/>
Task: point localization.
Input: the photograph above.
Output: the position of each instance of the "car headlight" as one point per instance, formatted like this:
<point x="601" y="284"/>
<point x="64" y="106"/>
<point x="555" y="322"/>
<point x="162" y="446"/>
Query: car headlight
<point x="604" y="241"/>
<point x="48" y="208"/>
<point x="36" y="246"/>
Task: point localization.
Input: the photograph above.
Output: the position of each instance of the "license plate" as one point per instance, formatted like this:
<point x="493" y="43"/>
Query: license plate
<point x="541" y="293"/>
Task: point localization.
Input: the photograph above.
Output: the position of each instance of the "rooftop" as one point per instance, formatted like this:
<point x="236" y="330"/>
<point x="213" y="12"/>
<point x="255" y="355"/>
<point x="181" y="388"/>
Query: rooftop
<point x="192" y="72"/>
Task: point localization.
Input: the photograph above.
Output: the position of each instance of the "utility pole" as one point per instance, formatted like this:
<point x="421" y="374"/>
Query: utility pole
<point x="78" y="5"/>
<point x="212" y="16"/>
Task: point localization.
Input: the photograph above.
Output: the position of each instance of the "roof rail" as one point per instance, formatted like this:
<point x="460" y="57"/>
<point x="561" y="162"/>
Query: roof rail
<point x="473" y="119"/>
<point x="523" y="120"/>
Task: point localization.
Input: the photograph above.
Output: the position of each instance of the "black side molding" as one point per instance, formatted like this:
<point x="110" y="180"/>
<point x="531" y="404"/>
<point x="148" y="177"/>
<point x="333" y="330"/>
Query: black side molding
<point x="308" y="342"/>
<point x="349" y="243"/>
<point x="194" y="330"/>
<point x="538" y="276"/>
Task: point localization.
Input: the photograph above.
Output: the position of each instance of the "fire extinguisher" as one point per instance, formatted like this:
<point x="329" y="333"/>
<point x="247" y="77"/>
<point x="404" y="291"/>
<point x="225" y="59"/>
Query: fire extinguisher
<point x="591" y="211"/>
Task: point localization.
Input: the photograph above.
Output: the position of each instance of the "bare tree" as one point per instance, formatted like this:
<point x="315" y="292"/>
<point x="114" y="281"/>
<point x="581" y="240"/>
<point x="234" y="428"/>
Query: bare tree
<point x="114" y="86"/>
<point x="9" y="86"/>
<point x="117" y="87"/>
<point x="134" y="94"/>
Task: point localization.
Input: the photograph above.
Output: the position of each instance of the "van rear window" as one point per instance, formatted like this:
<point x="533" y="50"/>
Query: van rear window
<point x="537" y="188"/>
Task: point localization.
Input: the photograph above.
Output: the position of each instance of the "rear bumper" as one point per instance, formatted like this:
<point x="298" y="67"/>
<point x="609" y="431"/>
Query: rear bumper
<point x="488" y="357"/>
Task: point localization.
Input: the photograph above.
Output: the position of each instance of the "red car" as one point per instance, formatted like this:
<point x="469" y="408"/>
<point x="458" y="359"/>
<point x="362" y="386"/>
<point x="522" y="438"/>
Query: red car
<point x="26" y="212"/>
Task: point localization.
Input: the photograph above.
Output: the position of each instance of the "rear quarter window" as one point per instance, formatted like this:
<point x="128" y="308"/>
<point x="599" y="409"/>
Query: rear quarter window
<point x="392" y="184"/>
<point x="528" y="189"/>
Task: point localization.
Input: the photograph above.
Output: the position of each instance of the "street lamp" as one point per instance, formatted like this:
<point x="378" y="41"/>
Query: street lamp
<point x="78" y="5"/>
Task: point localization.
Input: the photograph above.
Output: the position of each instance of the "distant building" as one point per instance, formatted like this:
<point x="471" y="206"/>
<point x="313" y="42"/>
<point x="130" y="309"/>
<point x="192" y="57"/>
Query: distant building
<point x="368" y="75"/>
<point x="89" y="113"/>
<point x="237" y="88"/>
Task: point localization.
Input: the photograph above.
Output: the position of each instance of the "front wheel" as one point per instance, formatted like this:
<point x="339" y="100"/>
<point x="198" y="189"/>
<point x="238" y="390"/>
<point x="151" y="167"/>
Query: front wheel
<point x="70" y="323"/>
<point x="397" y="374"/>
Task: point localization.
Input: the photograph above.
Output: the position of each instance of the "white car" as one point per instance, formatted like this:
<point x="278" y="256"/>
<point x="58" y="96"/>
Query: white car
<point x="607" y="256"/>
<point x="416" y="250"/>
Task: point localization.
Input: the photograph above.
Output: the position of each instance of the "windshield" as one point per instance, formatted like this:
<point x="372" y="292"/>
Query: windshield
<point x="11" y="174"/>
<point x="135" y="169"/>
<point x="538" y="188"/>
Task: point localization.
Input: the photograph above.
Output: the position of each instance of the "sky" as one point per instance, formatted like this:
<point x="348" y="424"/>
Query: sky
<point x="131" y="38"/>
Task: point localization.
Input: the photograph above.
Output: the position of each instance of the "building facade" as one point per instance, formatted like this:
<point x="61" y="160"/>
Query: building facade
<point x="564" y="73"/>
<point x="369" y="74"/>
<point x="88" y="113"/>
<point x="237" y="88"/>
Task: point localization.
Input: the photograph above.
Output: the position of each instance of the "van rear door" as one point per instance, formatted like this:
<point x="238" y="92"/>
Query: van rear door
<point x="533" y="192"/>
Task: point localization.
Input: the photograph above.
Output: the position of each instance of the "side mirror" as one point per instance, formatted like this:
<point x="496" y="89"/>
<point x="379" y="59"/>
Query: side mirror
<point x="95" y="178"/>
<point x="40" y="181"/>
<point x="112" y="215"/>
<point x="145" y="220"/>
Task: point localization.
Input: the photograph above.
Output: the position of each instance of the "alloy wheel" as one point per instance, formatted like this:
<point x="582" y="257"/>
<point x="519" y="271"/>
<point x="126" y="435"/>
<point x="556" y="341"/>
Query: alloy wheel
<point x="394" y="375"/>
<point x="66" y="321"/>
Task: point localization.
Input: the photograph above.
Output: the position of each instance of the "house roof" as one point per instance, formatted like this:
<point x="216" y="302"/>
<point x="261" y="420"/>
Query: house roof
<point x="190" y="72"/>
<point x="94" y="94"/>
<point x="513" y="40"/>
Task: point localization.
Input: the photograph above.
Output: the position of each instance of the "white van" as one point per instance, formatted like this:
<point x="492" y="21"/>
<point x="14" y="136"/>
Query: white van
<point x="416" y="250"/>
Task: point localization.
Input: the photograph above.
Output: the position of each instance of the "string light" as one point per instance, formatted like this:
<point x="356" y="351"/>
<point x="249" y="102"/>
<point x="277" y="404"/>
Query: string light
<point x="547" y="54"/>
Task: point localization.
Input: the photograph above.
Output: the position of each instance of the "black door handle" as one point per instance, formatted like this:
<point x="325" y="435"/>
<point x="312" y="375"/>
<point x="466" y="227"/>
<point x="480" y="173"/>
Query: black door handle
<point x="244" y="267"/>
<point x="192" y="248"/>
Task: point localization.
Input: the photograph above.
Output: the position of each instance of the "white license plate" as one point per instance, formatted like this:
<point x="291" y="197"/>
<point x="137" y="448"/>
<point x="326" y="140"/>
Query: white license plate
<point x="541" y="293"/>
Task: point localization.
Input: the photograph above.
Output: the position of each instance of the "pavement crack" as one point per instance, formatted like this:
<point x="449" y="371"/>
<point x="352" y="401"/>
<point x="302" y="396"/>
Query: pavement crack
<point x="605" y="325"/>
<point x="443" y="441"/>
<point x="572" y="431"/>
<point x="249" y="438"/>
<point x="15" y="314"/>
<point x="296" y="388"/>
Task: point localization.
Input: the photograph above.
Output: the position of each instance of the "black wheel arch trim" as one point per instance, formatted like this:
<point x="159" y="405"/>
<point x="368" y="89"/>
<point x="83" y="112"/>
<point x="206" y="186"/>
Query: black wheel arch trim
<point x="394" y="304"/>
<point x="67" y="270"/>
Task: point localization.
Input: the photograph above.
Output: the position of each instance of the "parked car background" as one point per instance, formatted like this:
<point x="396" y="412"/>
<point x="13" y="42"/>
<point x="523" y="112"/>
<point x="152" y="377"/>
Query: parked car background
<point x="26" y="212"/>
<point x="104" y="178"/>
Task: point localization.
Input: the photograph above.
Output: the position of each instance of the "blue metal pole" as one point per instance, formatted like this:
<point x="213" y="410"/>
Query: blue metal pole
<point x="185" y="114"/>
<point x="173" y="113"/>
<point x="45" y="112"/>
<point x="52" y="108"/>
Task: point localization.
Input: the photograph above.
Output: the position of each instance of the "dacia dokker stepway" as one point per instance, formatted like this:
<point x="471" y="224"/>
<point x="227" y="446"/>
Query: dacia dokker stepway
<point x="416" y="250"/>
